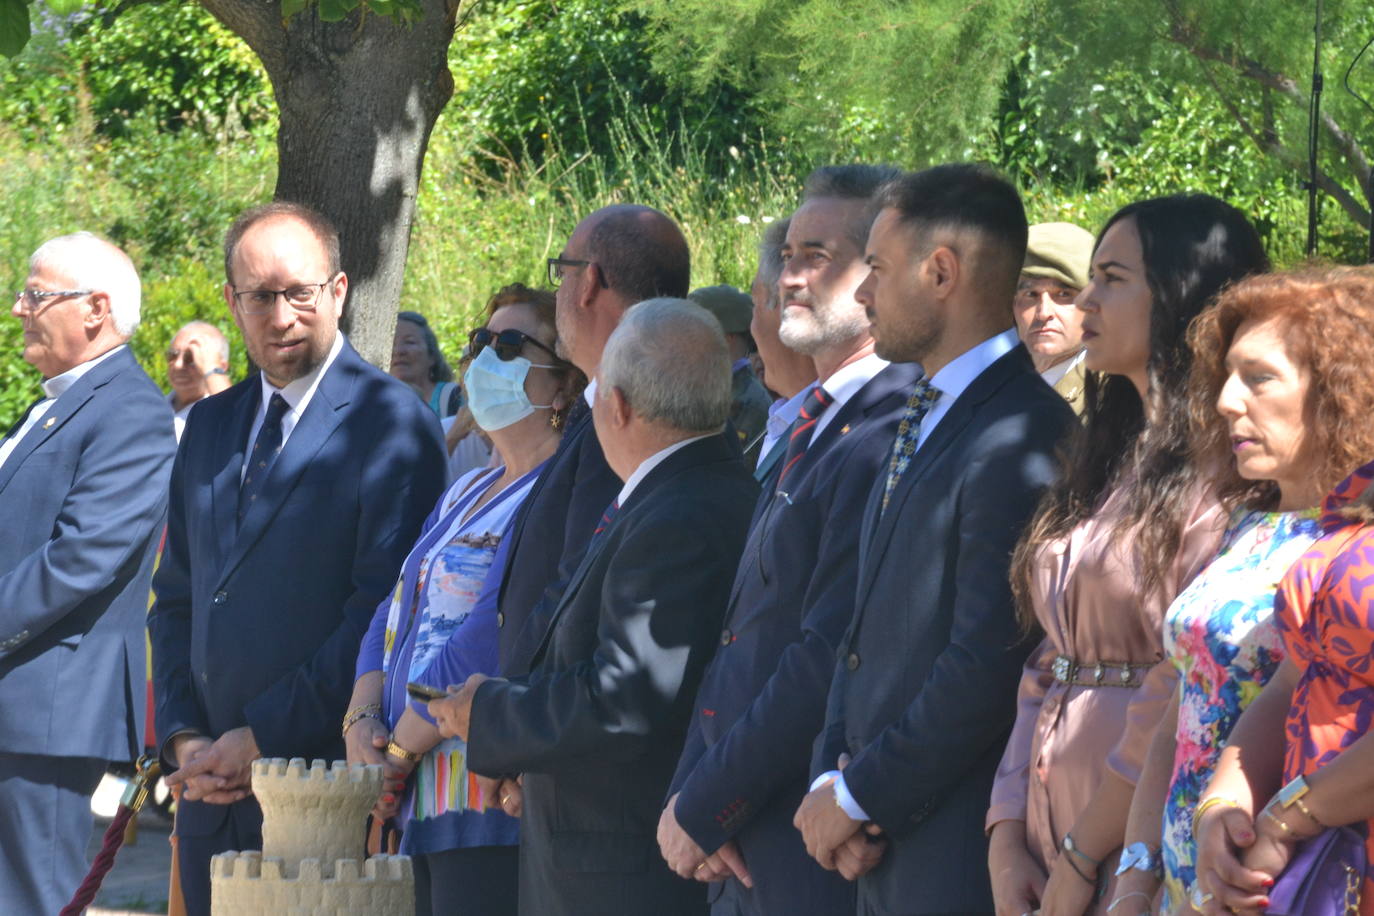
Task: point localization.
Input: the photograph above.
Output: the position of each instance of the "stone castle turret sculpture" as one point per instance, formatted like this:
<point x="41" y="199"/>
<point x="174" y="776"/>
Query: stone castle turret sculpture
<point x="312" y="862"/>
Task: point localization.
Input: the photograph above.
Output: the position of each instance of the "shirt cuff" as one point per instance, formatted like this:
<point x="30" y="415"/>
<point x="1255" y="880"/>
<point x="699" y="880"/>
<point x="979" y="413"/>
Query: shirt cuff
<point x="842" y="797"/>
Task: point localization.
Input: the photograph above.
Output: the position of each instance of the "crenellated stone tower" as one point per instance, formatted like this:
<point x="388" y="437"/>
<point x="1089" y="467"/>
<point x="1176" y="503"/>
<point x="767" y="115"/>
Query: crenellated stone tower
<point x="311" y="862"/>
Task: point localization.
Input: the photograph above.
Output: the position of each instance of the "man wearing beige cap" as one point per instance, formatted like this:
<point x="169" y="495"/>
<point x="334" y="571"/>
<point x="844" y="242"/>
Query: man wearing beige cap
<point x="749" y="401"/>
<point x="1051" y="327"/>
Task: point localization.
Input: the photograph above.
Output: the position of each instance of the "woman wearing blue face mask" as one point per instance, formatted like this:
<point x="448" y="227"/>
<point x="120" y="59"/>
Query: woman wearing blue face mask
<point x="463" y="844"/>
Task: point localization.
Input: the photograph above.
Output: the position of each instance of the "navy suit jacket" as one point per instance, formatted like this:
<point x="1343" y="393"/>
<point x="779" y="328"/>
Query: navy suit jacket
<point x="597" y="725"/>
<point x="260" y="624"/>
<point x="83" y="496"/>
<point x="548" y="538"/>
<point x="924" y="694"/>
<point x="762" y="700"/>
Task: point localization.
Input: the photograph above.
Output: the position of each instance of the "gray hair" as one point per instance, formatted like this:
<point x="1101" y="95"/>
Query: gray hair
<point x="770" y="259"/>
<point x="668" y="358"/>
<point x="90" y="262"/>
<point x="209" y="330"/>
<point x="856" y="181"/>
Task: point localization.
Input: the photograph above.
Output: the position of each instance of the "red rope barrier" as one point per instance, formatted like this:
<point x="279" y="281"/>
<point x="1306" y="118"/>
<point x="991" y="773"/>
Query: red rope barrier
<point x="114" y="838"/>
<point x="133" y="799"/>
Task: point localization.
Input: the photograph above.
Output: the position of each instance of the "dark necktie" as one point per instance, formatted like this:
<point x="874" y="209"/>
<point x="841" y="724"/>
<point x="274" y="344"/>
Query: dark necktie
<point x="923" y="396"/>
<point x="799" y="435"/>
<point x="264" y="452"/>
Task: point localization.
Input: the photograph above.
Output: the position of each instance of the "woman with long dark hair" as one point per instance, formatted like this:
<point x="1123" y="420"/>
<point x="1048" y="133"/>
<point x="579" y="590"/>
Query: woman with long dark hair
<point x="1111" y="545"/>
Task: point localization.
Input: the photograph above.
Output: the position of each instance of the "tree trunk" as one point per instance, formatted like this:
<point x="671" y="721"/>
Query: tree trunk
<point x="357" y="101"/>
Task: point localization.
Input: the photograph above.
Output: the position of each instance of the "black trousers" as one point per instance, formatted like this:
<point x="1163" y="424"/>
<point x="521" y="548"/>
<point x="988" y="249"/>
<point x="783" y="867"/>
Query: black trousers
<point x="477" y="881"/>
<point x="240" y="829"/>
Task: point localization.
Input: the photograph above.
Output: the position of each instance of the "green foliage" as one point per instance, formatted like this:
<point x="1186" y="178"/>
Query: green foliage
<point x="529" y="74"/>
<point x="14" y="26"/>
<point x="172" y="62"/>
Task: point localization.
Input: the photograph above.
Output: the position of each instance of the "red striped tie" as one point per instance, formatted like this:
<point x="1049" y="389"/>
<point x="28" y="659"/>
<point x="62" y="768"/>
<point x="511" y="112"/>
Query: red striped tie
<point x="799" y="436"/>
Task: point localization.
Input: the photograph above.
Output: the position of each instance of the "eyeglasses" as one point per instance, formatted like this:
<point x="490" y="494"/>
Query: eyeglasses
<point x="556" y="266"/>
<point x="507" y="344"/>
<point x="33" y="299"/>
<point x="302" y="298"/>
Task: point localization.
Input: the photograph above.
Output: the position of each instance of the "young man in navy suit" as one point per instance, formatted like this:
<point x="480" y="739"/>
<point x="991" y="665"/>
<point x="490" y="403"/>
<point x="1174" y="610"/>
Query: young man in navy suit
<point x="762" y="701"/>
<point x="83" y="491"/>
<point x="295" y="496"/>
<point x="924" y="694"/>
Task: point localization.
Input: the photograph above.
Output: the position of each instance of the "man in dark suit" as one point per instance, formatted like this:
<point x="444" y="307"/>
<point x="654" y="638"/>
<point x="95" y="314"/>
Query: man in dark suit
<point x="83" y="492"/>
<point x="597" y="725"/>
<point x="924" y="693"/>
<point x="744" y="768"/>
<point x="616" y="257"/>
<point x="295" y="496"/>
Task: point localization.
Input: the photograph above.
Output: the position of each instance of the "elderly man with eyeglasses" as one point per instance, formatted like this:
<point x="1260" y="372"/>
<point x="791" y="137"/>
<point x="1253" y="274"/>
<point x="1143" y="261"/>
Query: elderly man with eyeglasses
<point x="83" y="491"/>
<point x="295" y="496"/>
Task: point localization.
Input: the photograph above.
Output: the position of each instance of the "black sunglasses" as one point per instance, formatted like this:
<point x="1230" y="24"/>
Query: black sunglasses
<point x="507" y="343"/>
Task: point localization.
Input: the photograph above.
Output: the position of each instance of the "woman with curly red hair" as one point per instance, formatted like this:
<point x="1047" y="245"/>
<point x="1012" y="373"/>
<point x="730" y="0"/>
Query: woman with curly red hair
<point x="1267" y="796"/>
<point x="1277" y="419"/>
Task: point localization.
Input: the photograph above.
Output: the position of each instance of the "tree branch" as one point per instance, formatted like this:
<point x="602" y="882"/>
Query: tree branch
<point x="1182" y="33"/>
<point x="259" y="24"/>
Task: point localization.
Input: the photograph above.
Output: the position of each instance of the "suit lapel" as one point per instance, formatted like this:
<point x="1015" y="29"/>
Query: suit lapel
<point x="764" y="471"/>
<point x="950" y="427"/>
<point x="62" y="410"/>
<point x="322" y="416"/>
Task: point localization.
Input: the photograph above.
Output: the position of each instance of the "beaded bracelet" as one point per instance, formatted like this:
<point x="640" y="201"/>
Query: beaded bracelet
<point x="358" y="713"/>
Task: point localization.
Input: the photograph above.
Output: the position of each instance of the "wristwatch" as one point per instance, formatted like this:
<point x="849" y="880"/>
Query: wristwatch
<point x="1140" y="857"/>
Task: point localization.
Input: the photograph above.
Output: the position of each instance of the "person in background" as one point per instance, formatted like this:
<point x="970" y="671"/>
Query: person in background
<point x="197" y="367"/>
<point x="596" y="726"/>
<point x="1299" y="759"/>
<point x="1051" y="327"/>
<point x="1127" y="527"/>
<point x="749" y="401"/>
<point x="789" y="373"/>
<point x="417" y="360"/>
<point x="83" y="492"/>
<point x="295" y="497"/>
<point x="463" y="845"/>
<point x="1273" y="412"/>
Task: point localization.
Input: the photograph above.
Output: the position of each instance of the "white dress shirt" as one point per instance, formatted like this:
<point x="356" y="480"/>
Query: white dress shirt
<point x="653" y="461"/>
<point x="53" y="388"/>
<point x="843" y="384"/>
<point x="297" y="395"/>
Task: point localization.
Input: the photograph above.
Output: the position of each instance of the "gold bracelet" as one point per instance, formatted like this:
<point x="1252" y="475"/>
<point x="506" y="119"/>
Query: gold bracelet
<point x="1302" y="806"/>
<point x="1275" y="818"/>
<point x="357" y="715"/>
<point x="366" y="707"/>
<point x="1211" y="803"/>
<point x="396" y="750"/>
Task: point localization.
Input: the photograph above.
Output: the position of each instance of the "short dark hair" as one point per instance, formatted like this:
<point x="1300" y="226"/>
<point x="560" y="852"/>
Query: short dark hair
<point x="855" y="181"/>
<point x="313" y="219"/>
<point x="962" y="196"/>
<point x="641" y="253"/>
<point x="439" y="370"/>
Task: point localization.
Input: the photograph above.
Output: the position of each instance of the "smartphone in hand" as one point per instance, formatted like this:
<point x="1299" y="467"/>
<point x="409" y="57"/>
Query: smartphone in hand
<point x="424" y="693"/>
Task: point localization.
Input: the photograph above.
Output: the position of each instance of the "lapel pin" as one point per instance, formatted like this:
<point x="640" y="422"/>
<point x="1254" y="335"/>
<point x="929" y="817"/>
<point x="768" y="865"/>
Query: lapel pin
<point x="844" y="429"/>
<point x="47" y="424"/>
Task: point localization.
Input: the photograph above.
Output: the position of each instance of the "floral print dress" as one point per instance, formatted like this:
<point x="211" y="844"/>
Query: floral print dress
<point x="1222" y="638"/>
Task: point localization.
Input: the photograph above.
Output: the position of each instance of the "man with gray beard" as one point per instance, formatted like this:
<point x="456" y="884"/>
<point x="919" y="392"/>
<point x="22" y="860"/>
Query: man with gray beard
<point x="762" y="699"/>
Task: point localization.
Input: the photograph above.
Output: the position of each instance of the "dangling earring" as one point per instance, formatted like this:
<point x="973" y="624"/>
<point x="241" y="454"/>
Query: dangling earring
<point x="556" y="420"/>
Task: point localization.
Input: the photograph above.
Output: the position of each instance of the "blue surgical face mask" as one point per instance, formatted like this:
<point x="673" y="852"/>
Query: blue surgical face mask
<point x="496" y="390"/>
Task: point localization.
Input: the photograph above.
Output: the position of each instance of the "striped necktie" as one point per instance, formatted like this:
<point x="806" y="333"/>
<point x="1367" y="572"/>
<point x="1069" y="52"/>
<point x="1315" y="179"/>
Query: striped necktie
<point x="264" y="452"/>
<point x="923" y="396"/>
<point x="799" y="436"/>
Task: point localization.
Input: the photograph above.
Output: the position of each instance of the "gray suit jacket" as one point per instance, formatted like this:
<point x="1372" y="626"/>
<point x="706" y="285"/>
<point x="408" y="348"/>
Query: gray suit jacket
<point x="83" y="496"/>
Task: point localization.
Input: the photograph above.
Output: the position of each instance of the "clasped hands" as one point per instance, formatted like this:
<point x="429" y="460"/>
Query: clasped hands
<point x="835" y="840"/>
<point x="218" y="771"/>
<point x="1240" y="857"/>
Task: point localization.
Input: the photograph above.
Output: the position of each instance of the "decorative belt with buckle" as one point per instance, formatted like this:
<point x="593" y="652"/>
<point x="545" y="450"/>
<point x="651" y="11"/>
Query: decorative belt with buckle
<point x="1101" y="674"/>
